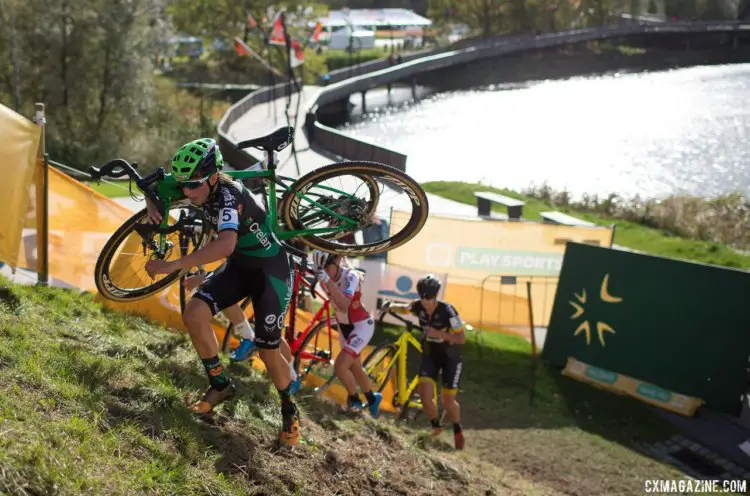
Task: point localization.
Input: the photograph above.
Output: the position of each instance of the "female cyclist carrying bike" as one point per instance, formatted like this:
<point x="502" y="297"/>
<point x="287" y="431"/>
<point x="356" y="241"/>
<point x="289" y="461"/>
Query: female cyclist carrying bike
<point x="256" y="266"/>
<point x="356" y="326"/>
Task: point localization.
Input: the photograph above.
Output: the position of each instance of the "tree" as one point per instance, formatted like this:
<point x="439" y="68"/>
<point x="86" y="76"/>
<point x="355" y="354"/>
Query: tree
<point x="90" y="62"/>
<point x="487" y="17"/>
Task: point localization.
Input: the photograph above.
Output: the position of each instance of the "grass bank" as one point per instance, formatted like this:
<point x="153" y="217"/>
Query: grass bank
<point x="93" y="402"/>
<point x="664" y="230"/>
<point x="113" y="189"/>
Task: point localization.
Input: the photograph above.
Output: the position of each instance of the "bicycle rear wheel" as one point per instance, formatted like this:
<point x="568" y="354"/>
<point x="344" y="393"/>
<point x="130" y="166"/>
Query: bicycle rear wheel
<point x="412" y="407"/>
<point x="349" y="197"/>
<point x="120" y="273"/>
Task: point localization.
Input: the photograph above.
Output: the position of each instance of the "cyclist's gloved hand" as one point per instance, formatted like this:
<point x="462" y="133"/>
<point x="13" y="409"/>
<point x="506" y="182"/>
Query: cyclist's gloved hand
<point x="154" y="216"/>
<point x="323" y="276"/>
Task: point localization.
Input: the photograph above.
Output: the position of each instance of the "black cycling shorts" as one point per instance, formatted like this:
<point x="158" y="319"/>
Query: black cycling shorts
<point x="269" y="287"/>
<point x="445" y="364"/>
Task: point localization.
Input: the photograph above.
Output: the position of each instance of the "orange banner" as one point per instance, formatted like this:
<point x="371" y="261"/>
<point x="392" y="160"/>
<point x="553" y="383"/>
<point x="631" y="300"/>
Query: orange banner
<point x="20" y="147"/>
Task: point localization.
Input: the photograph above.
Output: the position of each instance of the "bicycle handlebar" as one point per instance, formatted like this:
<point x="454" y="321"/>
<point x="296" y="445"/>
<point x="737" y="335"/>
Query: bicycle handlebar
<point x="111" y="169"/>
<point x="120" y="167"/>
<point x="409" y="324"/>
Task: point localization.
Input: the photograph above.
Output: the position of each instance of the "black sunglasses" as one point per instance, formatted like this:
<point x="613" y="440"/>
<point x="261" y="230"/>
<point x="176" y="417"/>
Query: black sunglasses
<point x="194" y="184"/>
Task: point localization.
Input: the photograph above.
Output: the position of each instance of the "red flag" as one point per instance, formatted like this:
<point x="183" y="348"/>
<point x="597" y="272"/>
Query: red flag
<point x="240" y="47"/>
<point x="243" y="49"/>
<point x="316" y="32"/>
<point x="251" y="21"/>
<point x="277" y="34"/>
<point x="297" y="55"/>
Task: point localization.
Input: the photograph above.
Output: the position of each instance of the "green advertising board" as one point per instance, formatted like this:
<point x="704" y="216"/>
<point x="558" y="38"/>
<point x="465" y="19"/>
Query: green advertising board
<point x="678" y="325"/>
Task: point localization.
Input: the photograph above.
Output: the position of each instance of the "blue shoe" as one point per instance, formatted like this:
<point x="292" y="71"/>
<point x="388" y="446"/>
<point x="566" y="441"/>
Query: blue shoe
<point x="243" y="351"/>
<point x="355" y="407"/>
<point x="375" y="407"/>
<point x="294" y="386"/>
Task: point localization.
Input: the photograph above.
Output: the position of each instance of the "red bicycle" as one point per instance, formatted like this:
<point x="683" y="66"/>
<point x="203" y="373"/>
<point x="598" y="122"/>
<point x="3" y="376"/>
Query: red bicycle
<point x="311" y="348"/>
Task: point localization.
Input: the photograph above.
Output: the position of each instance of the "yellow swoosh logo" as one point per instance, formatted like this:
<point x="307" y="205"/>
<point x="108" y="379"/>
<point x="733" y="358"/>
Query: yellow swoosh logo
<point x="604" y="293"/>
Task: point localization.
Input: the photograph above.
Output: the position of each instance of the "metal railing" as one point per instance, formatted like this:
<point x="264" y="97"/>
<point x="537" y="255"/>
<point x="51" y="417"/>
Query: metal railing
<point x="355" y="149"/>
<point x="511" y="306"/>
<point x="240" y="159"/>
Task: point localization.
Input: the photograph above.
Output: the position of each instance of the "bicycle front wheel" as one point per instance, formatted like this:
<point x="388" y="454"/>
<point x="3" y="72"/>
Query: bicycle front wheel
<point x="378" y="365"/>
<point x="120" y="273"/>
<point x="338" y="202"/>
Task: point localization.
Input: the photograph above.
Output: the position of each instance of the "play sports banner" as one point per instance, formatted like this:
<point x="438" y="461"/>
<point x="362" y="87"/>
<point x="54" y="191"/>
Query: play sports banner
<point x="489" y="262"/>
<point x="17" y="163"/>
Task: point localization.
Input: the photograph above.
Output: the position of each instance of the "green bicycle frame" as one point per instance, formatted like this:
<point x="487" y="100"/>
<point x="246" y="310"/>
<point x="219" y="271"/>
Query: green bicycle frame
<point x="168" y="191"/>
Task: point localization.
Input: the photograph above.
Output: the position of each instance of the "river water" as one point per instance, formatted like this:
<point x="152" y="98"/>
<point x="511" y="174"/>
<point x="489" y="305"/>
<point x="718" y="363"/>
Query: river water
<point x="652" y="134"/>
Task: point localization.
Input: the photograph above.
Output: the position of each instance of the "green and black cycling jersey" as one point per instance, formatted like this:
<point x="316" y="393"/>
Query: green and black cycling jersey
<point x="232" y="207"/>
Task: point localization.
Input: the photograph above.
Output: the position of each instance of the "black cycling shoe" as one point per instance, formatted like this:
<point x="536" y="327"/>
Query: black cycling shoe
<point x="290" y="430"/>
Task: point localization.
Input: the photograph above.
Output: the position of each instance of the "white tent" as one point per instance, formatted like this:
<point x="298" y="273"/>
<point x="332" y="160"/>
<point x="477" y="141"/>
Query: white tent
<point x="360" y="39"/>
<point x="374" y="19"/>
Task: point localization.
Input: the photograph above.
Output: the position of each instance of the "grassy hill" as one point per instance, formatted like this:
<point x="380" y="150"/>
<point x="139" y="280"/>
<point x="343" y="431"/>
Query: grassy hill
<point x="93" y="402"/>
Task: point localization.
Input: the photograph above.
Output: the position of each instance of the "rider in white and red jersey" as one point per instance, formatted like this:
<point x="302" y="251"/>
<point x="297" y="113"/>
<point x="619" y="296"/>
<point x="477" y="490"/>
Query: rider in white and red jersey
<point x="344" y="287"/>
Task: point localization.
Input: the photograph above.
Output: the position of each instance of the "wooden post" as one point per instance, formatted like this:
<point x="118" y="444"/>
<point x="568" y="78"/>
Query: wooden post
<point x="534" y="356"/>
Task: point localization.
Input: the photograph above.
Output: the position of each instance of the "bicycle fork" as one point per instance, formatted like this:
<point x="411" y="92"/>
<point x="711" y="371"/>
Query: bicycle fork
<point x="402" y="382"/>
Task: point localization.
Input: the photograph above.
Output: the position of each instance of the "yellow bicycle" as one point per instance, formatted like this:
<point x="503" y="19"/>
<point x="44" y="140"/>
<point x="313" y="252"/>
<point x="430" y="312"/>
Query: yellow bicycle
<point x="380" y="363"/>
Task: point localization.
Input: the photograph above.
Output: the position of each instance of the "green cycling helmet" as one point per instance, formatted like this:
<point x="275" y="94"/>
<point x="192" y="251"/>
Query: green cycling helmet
<point x="197" y="159"/>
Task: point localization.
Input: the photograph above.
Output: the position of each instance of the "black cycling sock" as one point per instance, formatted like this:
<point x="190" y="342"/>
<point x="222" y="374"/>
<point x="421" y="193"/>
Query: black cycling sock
<point x="435" y="423"/>
<point x="287" y="405"/>
<point x="370" y="397"/>
<point x="457" y="428"/>
<point x="215" y="372"/>
<point x="354" y="398"/>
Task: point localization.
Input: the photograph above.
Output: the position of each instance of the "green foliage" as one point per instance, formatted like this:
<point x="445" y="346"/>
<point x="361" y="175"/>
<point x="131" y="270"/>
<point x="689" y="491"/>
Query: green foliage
<point x="226" y="19"/>
<point x="336" y="59"/>
<point x="495" y="17"/>
<point x="701" y="9"/>
<point x="93" y="68"/>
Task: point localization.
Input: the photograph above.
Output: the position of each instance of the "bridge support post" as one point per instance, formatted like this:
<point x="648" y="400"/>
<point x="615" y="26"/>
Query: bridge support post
<point x="414" y="88"/>
<point x="364" y="102"/>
